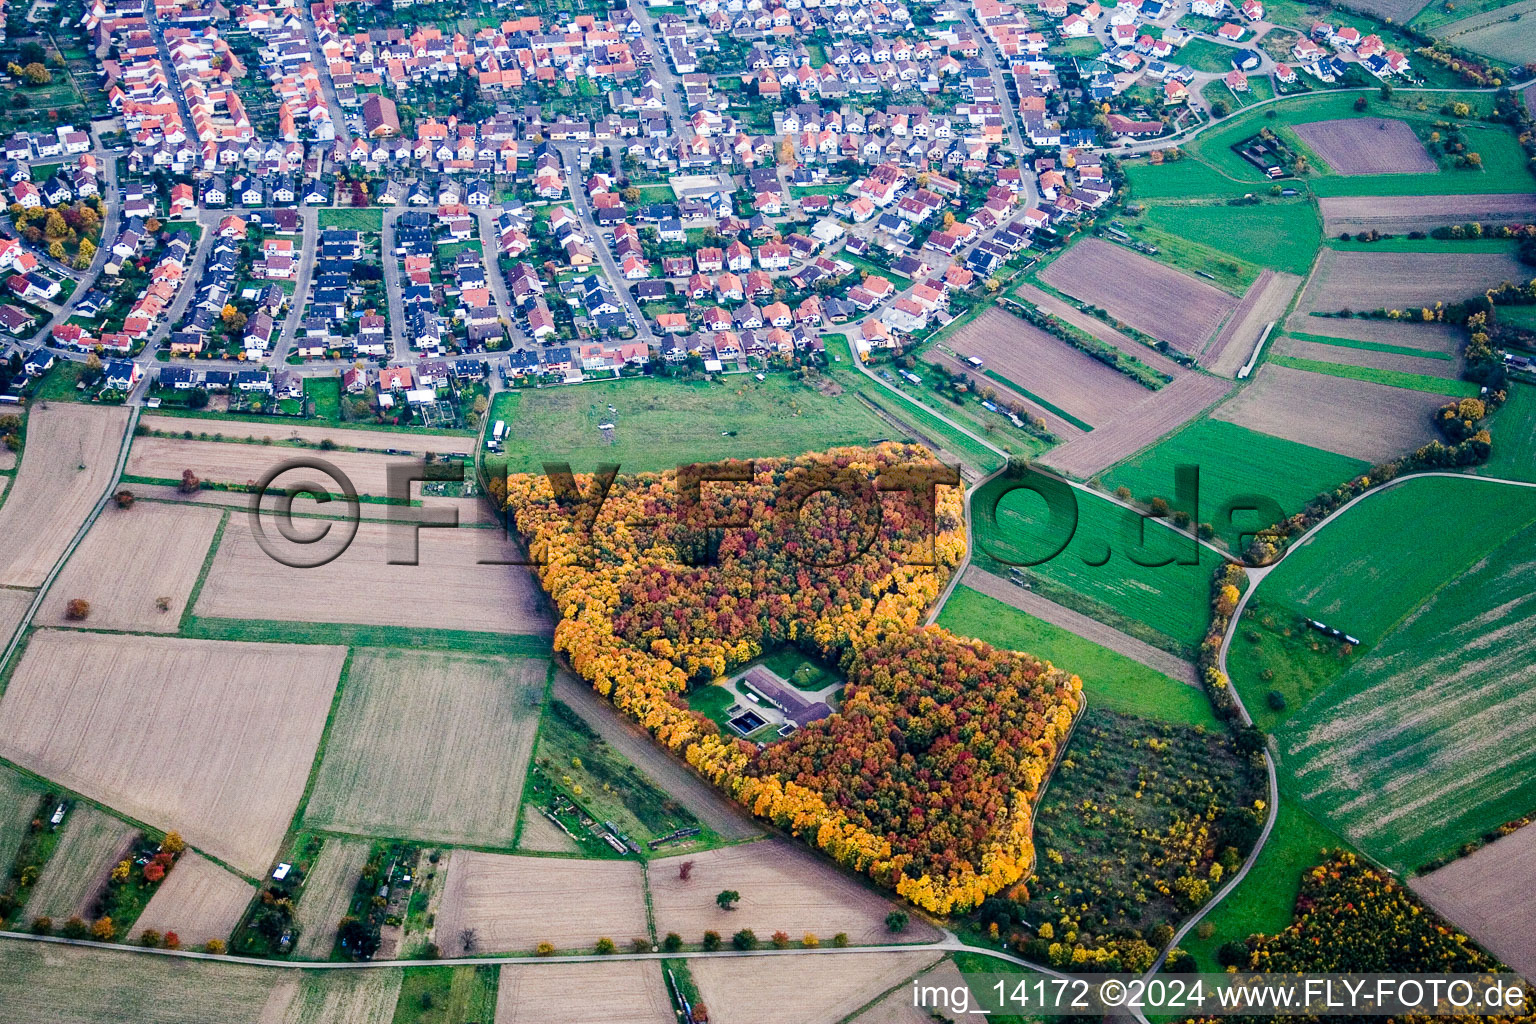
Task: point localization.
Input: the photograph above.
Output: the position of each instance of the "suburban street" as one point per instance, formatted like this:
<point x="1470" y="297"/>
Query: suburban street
<point x="311" y="244"/>
<point x="570" y="158"/>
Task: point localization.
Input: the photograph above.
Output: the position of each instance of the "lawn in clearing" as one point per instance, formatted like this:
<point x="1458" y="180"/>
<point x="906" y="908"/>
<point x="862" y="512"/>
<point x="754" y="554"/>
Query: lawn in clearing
<point x="1110" y="679"/>
<point x="198" y="901"/>
<point x="212" y="739"/>
<point x="632" y="992"/>
<point x="511" y="904"/>
<point x="92" y="843"/>
<point x="1108" y="567"/>
<point x="1514" y="436"/>
<point x="1489" y="895"/>
<point x="661" y="424"/>
<point x="783" y="888"/>
<point x="1429" y="741"/>
<point x="1233" y="462"/>
<point x="355" y="220"/>
<point x="131" y="563"/>
<point x="70" y="455"/>
<point x="430" y="747"/>
<point x="1282" y="234"/>
<point x="1164" y="303"/>
<point x="1204" y="55"/>
<point x="1265" y="901"/>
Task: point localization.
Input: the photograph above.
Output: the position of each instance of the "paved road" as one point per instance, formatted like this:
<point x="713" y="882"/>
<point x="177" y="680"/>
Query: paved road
<point x="393" y="282"/>
<point x="111" y="224"/>
<point x="186" y="288"/>
<point x="173" y="80"/>
<point x="486" y="221"/>
<point x="1010" y="109"/>
<point x="570" y="157"/>
<point x="310" y="219"/>
<point x="661" y="64"/>
<point x="323" y="70"/>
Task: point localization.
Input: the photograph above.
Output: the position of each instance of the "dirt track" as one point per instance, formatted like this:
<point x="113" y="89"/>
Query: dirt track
<point x="1158" y="414"/>
<point x="1266" y="300"/>
<point x="1031" y="603"/>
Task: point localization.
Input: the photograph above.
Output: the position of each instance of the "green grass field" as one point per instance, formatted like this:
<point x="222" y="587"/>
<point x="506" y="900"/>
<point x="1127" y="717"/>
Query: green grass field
<point x="1204" y="55"/>
<point x="1403" y="243"/>
<point x="367" y="219"/>
<point x="1180" y="179"/>
<point x="1429" y="741"/>
<point x="661" y="424"/>
<point x="1281" y="234"/>
<point x="1514" y="436"/>
<point x="1110" y="679"/>
<point x="1376" y="375"/>
<point x="1263" y="902"/>
<point x="1372" y="346"/>
<point x="1233" y="461"/>
<point x="1222" y="269"/>
<point x="447" y="995"/>
<point x="1103" y="566"/>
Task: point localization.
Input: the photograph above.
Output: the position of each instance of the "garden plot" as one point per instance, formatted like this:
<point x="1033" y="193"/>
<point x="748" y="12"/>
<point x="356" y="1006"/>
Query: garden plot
<point x="19" y="800"/>
<point x="449" y="589"/>
<point x="1159" y="413"/>
<point x="1374" y="422"/>
<point x="1151" y="297"/>
<point x="803" y="989"/>
<point x="92" y="843"/>
<point x="1489" y="894"/>
<point x="1367" y="145"/>
<point x="212" y="739"/>
<point x="130" y="564"/>
<point x="198" y="901"/>
<point x="71" y="453"/>
<point x="1446" y="368"/>
<point x="1400" y="214"/>
<point x="344" y="437"/>
<point x="1364" y="281"/>
<point x="327" y="893"/>
<point x="621" y="992"/>
<point x="1266" y="301"/>
<point x="429" y="746"/>
<point x="1007" y="397"/>
<point x="1042" y="366"/>
<point x="782" y="887"/>
<point x="240" y="464"/>
<point x="541" y="835"/>
<point x="511" y="904"/>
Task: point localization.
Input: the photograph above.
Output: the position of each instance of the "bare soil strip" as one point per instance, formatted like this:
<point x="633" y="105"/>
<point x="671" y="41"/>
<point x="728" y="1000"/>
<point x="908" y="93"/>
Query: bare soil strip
<point x="1098" y="328"/>
<point x="1054" y="423"/>
<point x="346" y="437"/>
<point x="510" y="904"/>
<point x="1089" y="629"/>
<point x="212" y="739"/>
<point x="71" y="452"/>
<point x="1367" y="421"/>
<point x="1430" y="337"/>
<point x="1367" y="145"/>
<point x="92" y="844"/>
<point x="542" y="835"/>
<point x="1397" y="215"/>
<point x="1489" y="895"/>
<point x="1150" y="296"/>
<point x="1364" y="281"/>
<point x="622" y="992"/>
<point x="1266" y="301"/>
<point x="806" y="990"/>
<point x="326" y="894"/>
<point x="130" y="563"/>
<point x="1447" y="369"/>
<point x="1157" y="415"/>
<point x="198" y="901"/>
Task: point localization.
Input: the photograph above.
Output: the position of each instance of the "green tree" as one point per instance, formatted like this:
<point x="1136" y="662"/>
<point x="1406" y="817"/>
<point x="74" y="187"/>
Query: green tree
<point x="896" y="921"/>
<point x="727" y="899"/>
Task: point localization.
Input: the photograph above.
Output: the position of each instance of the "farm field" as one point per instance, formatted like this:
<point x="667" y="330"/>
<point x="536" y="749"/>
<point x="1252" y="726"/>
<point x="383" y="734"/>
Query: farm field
<point x="71" y="453"/>
<point x="1370" y="358"/>
<point x="334" y="997"/>
<point x="1110" y="679"/>
<point x="1265" y="302"/>
<point x="1233" y="461"/>
<point x="91" y="844"/>
<point x="783" y="888"/>
<point x="19" y="800"/>
<point x="201" y="751"/>
<point x="1281" y="234"/>
<point x="1435" y="341"/>
<point x="1046" y="366"/>
<point x="514" y="903"/>
<point x="1402" y="214"/>
<point x="67" y="985"/>
<point x="662" y="424"/>
<point x="164" y="459"/>
<point x="1378" y="375"/>
<point x="1410" y="773"/>
<point x="309" y="434"/>
<point x="540" y="835"/>
<point x="430" y="747"/>
<point x="1367" y="145"/>
<point x="1166" y="304"/>
<point x="898" y="1008"/>
<point x="628" y="992"/>
<point x="1008" y="393"/>
<point x="1488" y="895"/>
<point x="807" y="990"/>
<point x="13" y="608"/>
<point x="1094" y="573"/>
<point x="447" y="995"/>
<point x="1439" y="13"/>
<point x="1099" y="329"/>
<point x="1382" y="421"/>
<point x="326" y="894"/>
<point x="450" y="588"/>
<point x="198" y="901"/>
<point x="131" y="561"/>
<point x="1506" y="39"/>
<point x="1514" y="436"/>
<point x="1364" y="281"/>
